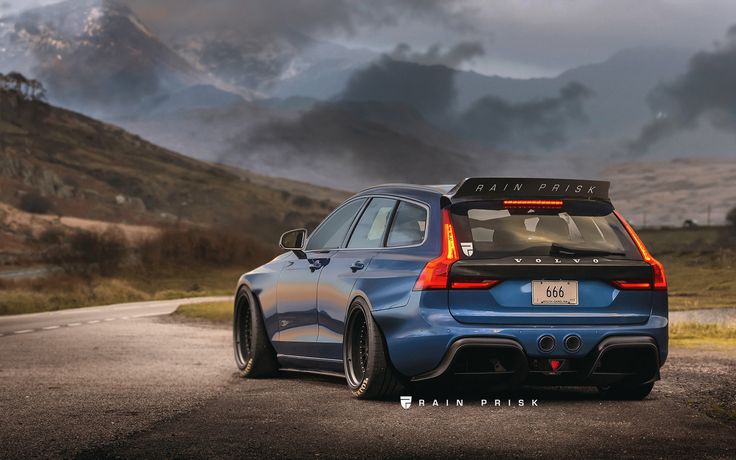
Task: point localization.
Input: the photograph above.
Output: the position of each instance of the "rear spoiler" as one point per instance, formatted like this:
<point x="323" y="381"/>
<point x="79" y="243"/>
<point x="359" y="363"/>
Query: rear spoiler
<point x="485" y="188"/>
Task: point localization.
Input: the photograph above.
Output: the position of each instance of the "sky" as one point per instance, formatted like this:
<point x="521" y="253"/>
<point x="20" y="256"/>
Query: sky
<point x="520" y="38"/>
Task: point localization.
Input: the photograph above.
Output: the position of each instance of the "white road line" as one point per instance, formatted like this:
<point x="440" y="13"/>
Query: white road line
<point x="48" y="328"/>
<point x="109" y="319"/>
<point x="125" y="317"/>
<point x="24" y="331"/>
<point x="74" y="324"/>
<point x="94" y="321"/>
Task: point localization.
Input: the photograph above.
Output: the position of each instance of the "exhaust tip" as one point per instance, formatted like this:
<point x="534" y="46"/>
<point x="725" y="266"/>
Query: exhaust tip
<point x="546" y="343"/>
<point x="572" y="343"/>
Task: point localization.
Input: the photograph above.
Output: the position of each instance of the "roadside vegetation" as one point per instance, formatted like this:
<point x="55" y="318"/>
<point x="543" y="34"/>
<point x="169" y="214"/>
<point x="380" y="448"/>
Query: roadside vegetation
<point x="698" y="334"/>
<point x="215" y="312"/>
<point x="101" y="268"/>
<point x="700" y="264"/>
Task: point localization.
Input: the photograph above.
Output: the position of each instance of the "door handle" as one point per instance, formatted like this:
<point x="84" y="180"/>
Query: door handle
<point x="357" y="265"/>
<point x="316" y="265"/>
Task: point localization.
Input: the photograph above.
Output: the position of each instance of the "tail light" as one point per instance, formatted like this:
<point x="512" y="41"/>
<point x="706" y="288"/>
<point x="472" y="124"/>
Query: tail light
<point x="436" y="274"/>
<point x="528" y="204"/>
<point x="659" y="279"/>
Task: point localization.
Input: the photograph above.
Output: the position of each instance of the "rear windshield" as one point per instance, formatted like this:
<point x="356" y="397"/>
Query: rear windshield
<point x="488" y="230"/>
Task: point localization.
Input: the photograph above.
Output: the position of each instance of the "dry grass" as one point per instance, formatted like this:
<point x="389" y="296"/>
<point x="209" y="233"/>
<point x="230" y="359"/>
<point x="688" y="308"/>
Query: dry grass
<point x="697" y="334"/>
<point x="216" y="312"/>
<point x="70" y="291"/>
<point x="700" y="265"/>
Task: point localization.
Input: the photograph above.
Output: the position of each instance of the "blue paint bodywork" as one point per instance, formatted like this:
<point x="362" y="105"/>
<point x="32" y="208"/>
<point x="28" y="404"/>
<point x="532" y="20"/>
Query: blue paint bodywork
<point x="305" y="309"/>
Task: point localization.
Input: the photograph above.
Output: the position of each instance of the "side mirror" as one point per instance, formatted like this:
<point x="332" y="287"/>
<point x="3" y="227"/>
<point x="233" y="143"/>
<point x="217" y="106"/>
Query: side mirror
<point x="294" y="240"/>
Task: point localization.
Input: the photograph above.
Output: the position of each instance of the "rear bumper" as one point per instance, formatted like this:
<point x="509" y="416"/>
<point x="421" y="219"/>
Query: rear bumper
<point x="425" y="341"/>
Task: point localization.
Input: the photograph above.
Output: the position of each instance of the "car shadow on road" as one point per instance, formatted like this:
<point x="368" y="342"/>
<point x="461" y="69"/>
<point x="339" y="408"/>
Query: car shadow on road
<point x="449" y="389"/>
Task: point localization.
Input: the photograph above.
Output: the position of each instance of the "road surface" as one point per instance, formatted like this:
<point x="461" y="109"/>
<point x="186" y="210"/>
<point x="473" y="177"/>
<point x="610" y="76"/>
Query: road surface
<point x="152" y="386"/>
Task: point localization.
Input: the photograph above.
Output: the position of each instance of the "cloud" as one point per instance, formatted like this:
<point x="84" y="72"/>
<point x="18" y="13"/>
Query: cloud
<point x="435" y="55"/>
<point x="541" y="123"/>
<point x="274" y="17"/>
<point x="423" y="81"/>
<point x="706" y="92"/>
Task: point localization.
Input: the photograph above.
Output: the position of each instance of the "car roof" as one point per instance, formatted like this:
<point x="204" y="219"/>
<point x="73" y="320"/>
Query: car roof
<point x="420" y="192"/>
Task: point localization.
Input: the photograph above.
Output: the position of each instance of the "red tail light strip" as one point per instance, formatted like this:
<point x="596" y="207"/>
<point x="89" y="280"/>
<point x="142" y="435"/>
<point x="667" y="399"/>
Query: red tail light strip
<point x="659" y="279"/>
<point x="436" y="273"/>
<point x="485" y="284"/>
<point x="532" y="204"/>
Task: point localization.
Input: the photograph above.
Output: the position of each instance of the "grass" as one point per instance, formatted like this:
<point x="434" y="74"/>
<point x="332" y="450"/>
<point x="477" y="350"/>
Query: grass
<point x="65" y="291"/>
<point x="216" y="312"/>
<point x="700" y="264"/>
<point x="697" y="334"/>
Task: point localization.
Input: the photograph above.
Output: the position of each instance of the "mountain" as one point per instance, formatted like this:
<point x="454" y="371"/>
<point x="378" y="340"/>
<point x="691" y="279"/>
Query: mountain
<point x="267" y="63"/>
<point x="93" y="55"/>
<point x="620" y="86"/>
<point x="93" y="170"/>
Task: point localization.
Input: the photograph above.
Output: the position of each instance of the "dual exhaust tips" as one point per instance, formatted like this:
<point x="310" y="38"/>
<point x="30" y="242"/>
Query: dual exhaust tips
<point x="571" y="342"/>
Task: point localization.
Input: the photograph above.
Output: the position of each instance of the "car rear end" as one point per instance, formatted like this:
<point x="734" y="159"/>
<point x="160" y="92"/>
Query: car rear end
<point x="541" y="281"/>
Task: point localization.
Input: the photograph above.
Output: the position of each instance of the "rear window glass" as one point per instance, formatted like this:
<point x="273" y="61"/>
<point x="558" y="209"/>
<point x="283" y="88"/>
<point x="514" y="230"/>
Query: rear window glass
<point x="487" y="230"/>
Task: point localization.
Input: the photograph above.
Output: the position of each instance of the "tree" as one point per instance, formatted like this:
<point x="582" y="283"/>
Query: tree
<point x="731" y="216"/>
<point x="38" y="92"/>
<point x="19" y="82"/>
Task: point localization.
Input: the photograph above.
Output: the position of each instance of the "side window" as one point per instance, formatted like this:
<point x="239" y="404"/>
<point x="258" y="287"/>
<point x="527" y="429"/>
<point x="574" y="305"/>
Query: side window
<point x="409" y="225"/>
<point x="372" y="224"/>
<point x="332" y="231"/>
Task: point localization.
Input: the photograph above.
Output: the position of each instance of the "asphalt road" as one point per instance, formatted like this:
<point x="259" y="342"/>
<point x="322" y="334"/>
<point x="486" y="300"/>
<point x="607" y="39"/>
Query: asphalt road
<point x="151" y="386"/>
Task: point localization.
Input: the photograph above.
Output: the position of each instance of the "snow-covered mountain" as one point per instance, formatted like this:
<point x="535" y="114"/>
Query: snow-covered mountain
<point x="93" y="55"/>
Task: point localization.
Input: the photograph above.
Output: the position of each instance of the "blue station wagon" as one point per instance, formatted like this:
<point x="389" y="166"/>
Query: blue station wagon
<point x="513" y="281"/>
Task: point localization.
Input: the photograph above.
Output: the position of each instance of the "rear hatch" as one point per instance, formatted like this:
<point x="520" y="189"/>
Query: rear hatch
<point x="546" y="262"/>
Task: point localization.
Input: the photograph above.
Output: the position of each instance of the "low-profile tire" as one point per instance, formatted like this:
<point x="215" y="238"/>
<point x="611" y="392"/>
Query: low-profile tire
<point x="254" y="354"/>
<point x="368" y="371"/>
<point x="626" y="392"/>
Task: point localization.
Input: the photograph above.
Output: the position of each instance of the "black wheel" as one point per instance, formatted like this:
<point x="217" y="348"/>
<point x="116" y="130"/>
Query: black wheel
<point x="626" y="392"/>
<point x="367" y="368"/>
<point x="254" y="354"/>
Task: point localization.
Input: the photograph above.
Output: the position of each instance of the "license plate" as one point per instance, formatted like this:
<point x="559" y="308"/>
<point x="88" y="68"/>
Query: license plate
<point x="554" y="292"/>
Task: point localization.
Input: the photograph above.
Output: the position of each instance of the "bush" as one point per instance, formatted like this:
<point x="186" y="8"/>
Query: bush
<point x="731" y="216"/>
<point x="186" y="247"/>
<point x="35" y="203"/>
<point x="88" y="253"/>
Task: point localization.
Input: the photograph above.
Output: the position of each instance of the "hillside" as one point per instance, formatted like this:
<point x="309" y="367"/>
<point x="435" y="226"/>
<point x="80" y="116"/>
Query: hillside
<point x="91" y="170"/>
<point x="666" y="193"/>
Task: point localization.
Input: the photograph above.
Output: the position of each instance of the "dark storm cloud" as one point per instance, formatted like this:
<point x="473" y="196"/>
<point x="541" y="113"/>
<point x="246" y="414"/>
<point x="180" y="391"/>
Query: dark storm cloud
<point x="423" y="81"/>
<point x="706" y="92"/>
<point x="539" y="123"/>
<point x="272" y="17"/>
<point x="436" y="55"/>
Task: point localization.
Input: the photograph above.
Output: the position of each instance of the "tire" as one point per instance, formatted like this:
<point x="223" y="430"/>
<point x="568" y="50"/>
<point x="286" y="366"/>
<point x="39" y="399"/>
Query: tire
<point x="254" y="354"/>
<point x="626" y="392"/>
<point x="368" y="371"/>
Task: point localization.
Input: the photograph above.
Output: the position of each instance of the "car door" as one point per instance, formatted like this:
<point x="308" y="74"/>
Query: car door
<point x="297" y="286"/>
<point x="345" y="266"/>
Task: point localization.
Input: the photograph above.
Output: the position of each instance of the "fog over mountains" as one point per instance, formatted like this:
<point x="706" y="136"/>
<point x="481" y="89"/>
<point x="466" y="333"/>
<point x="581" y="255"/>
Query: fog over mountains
<point x="282" y="103"/>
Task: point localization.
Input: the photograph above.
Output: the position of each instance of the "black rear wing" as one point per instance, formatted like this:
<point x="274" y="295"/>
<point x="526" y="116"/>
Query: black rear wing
<point x="484" y="188"/>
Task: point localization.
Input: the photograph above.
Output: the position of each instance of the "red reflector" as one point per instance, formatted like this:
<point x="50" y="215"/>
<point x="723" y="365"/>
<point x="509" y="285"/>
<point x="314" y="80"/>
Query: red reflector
<point x="659" y="279"/>
<point x="555" y="364"/>
<point x="485" y="284"/>
<point x="632" y="284"/>
<point x="532" y="203"/>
